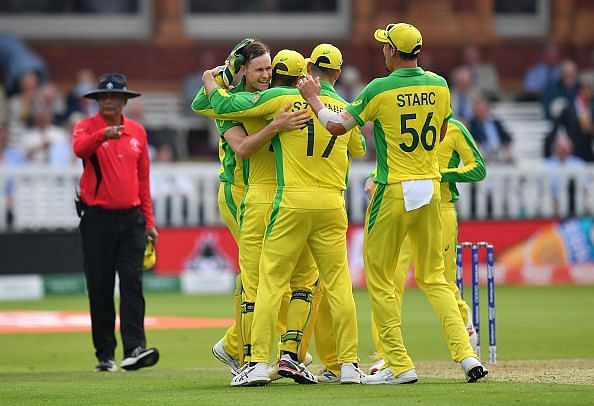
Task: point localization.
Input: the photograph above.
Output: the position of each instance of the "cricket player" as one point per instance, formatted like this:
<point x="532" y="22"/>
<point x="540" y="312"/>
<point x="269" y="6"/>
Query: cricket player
<point x="260" y="176"/>
<point x="457" y="146"/>
<point x="410" y="109"/>
<point x="234" y="147"/>
<point x="308" y="208"/>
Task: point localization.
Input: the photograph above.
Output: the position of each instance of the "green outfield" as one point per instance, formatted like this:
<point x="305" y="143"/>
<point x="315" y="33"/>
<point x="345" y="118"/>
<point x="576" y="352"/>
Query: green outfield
<point x="545" y="343"/>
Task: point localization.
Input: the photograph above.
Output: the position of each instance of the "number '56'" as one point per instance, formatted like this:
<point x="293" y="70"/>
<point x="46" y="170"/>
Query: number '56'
<point x="427" y="128"/>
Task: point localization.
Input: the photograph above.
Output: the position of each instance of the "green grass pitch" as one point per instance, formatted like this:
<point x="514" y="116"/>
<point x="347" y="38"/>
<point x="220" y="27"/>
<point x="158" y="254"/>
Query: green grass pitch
<point x="538" y="323"/>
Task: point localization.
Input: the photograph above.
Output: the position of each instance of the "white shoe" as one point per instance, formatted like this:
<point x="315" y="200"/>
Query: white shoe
<point x="252" y="376"/>
<point x="377" y="366"/>
<point x="349" y="373"/>
<point x="327" y="376"/>
<point x="218" y="350"/>
<point x="473" y="369"/>
<point x="386" y="377"/>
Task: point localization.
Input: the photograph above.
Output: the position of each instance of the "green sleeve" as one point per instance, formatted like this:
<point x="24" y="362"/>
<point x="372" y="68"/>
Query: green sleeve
<point x="357" y="107"/>
<point x="201" y="105"/>
<point x="473" y="169"/>
<point x="224" y="125"/>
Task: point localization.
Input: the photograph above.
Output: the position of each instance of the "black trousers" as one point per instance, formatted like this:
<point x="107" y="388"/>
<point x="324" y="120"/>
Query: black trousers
<point x="114" y="240"/>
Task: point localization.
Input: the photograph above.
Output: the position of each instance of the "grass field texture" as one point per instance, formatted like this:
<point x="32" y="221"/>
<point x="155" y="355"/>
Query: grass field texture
<point x="544" y="335"/>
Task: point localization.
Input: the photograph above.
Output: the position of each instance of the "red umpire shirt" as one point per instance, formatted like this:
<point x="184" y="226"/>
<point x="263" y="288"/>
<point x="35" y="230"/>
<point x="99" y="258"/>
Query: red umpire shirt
<point x="116" y="171"/>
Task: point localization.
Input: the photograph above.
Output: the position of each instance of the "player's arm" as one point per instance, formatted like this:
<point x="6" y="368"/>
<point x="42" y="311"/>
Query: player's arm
<point x="244" y="146"/>
<point x="473" y="169"/>
<point x="443" y="131"/>
<point x="201" y="104"/>
<point x="370" y="183"/>
<point x="335" y="123"/>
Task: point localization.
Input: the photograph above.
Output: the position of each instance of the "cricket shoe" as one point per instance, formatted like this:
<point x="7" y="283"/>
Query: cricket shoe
<point x="256" y="375"/>
<point x="273" y="369"/>
<point x="218" y="350"/>
<point x="386" y="377"/>
<point x="288" y="368"/>
<point x="327" y="376"/>
<point x="377" y="366"/>
<point x="349" y="373"/>
<point x="107" y="365"/>
<point x="140" y="358"/>
<point x="473" y="369"/>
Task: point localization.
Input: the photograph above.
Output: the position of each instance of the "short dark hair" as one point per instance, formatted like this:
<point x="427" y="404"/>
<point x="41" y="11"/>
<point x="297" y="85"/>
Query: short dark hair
<point x="325" y="73"/>
<point x="278" y="79"/>
<point x="407" y="57"/>
<point x="254" y="50"/>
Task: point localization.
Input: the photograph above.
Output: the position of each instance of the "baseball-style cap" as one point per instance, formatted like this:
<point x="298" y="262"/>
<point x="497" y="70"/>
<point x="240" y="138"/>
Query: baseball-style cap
<point x="111" y="83"/>
<point x="404" y="37"/>
<point x="150" y="255"/>
<point x="293" y="62"/>
<point x="326" y="56"/>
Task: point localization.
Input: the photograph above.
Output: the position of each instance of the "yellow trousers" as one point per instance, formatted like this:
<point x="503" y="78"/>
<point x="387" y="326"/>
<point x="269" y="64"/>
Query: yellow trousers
<point x="386" y="226"/>
<point x="325" y="233"/>
<point x="294" y="315"/>
<point x="449" y="221"/>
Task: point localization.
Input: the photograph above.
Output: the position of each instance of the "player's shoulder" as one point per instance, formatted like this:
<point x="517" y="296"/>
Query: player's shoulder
<point x="273" y="93"/>
<point x="435" y="79"/>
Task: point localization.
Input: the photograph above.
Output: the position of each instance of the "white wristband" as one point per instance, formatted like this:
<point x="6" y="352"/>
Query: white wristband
<point x="325" y="115"/>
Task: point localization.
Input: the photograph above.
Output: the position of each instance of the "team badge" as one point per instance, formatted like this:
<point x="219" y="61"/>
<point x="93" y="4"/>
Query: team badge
<point x="256" y="97"/>
<point x="356" y="102"/>
<point x="134" y="144"/>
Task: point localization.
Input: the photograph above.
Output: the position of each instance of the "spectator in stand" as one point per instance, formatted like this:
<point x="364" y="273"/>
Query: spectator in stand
<point x="17" y="60"/>
<point x="48" y="99"/>
<point x="539" y="75"/>
<point x="564" y="88"/>
<point x="575" y="122"/>
<point x="85" y="81"/>
<point x="462" y="95"/>
<point x="22" y="104"/>
<point x="349" y="84"/>
<point x="9" y="156"/>
<point x="493" y="139"/>
<point x="483" y="76"/>
<point x="563" y="158"/>
<point x="39" y="140"/>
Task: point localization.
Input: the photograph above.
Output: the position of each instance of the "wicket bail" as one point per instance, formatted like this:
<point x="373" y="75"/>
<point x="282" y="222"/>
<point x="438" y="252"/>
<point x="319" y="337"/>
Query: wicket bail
<point x="474" y="247"/>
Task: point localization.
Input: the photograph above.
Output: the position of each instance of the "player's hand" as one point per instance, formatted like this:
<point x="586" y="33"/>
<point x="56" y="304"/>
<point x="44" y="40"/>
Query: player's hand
<point x="309" y="87"/>
<point x="293" y="120"/>
<point x="113" y="132"/>
<point x="152" y="234"/>
<point x="369" y="186"/>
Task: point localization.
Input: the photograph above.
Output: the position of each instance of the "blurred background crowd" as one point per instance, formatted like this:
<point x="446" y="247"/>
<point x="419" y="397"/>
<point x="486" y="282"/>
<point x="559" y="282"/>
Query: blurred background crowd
<point x="521" y="73"/>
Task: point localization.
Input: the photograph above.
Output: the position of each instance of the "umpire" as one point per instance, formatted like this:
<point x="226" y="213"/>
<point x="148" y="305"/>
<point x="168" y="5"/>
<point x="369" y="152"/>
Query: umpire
<point x="116" y="220"/>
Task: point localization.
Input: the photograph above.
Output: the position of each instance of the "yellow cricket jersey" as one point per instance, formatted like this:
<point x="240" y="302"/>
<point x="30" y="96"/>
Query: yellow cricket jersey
<point x="407" y="108"/>
<point x="307" y="160"/>
<point x="259" y="169"/>
<point x="458" y="145"/>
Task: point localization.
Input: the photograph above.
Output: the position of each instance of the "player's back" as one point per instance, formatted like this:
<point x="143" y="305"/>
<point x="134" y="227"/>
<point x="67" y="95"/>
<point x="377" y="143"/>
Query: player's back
<point x="312" y="158"/>
<point x="407" y="108"/>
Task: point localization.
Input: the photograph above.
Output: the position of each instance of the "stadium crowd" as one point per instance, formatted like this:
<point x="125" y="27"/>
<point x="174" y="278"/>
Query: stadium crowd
<point x="37" y="117"/>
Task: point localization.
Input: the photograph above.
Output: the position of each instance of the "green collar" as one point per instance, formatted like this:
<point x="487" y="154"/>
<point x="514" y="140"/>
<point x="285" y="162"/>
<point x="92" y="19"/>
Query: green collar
<point x="408" y="72"/>
<point x="327" y="86"/>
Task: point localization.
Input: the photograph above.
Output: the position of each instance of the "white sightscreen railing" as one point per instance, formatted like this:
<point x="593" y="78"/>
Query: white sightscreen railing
<point x="186" y="194"/>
